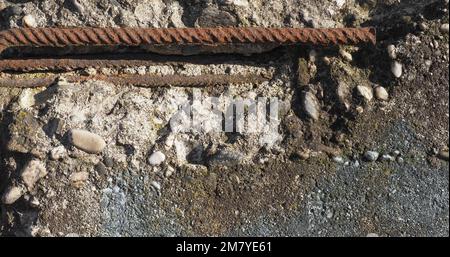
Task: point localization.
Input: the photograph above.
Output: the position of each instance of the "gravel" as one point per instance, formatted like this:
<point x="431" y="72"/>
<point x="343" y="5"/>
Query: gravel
<point x="277" y="182"/>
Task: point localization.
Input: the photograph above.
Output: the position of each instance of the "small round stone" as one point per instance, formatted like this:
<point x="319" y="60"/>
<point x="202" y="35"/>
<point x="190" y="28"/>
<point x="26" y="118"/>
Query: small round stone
<point x="156" y="158"/>
<point x="371" y="156"/>
<point x="87" y="141"/>
<point x="444" y="28"/>
<point x="108" y="161"/>
<point x="397" y="69"/>
<point x="29" y="21"/>
<point x="381" y="93"/>
<point x="311" y="105"/>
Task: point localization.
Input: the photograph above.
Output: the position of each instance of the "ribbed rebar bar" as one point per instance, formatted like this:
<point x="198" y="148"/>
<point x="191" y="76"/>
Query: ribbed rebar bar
<point x="86" y="36"/>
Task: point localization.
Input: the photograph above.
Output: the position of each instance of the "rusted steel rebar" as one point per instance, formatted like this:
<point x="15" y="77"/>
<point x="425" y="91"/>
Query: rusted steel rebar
<point x="138" y="80"/>
<point x="61" y="37"/>
<point x="74" y="62"/>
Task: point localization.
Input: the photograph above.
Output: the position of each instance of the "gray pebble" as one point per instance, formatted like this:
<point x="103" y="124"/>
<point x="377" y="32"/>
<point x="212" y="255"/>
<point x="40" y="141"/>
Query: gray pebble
<point x="311" y="105"/>
<point x="101" y="169"/>
<point x="108" y="161"/>
<point x="371" y="156"/>
<point x="77" y="6"/>
<point x="15" y="10"/>
<point x="213" y="17"/>
<point x="87" y="141"/>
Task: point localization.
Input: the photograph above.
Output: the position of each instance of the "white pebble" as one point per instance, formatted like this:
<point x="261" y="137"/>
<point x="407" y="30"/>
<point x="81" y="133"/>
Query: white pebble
<point x="381" y="93"/>
<point x="169" y="171"/>
<point x="87" y="141"/>
<point x="29" y="21"/>
<point x="387" y="157"/>
<point x="371" y="156"/>
<point x="34" y="202"/>
<point x="392" y="51"/>
<point x="241" y="3"/>
<point x="444" y="28"/>
<point x="366" y="92"/>
<point x="156" y="185"/>
<point x="156" y="158"/>
<point x="338" y="159"/>
<point x="32" y="172"/>
<point x="346" y="55"/>
<point x="396" y="69"/>
<point x="12" y="194"/>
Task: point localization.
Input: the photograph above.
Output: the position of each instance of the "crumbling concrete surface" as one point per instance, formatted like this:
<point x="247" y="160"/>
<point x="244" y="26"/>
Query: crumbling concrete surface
<point x="359" y="146"/>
